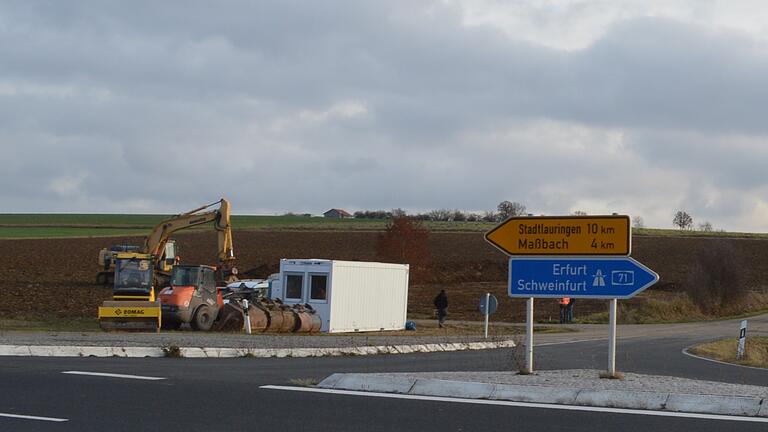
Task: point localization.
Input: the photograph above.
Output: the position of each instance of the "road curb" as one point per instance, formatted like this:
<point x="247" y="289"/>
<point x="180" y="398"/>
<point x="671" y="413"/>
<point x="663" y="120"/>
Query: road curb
<point x="655" y="401"/>
<point x="198" y="352"/>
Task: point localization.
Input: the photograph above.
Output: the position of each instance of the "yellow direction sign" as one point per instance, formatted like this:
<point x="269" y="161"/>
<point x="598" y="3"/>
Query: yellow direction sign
<point x="563" y="235"/>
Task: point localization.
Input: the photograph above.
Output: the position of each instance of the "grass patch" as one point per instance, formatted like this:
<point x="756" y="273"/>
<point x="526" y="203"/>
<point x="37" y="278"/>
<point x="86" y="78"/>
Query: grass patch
<point x="615" y="375"/>
<point x="172" y="351"/>
<point x="50" y="324"/>
<point x="655" y="307"/>
<point x="59" y="225"/>
<point x="755" y="351"/>
<point x="304" y="382"/>
<point x="89" y="225"/>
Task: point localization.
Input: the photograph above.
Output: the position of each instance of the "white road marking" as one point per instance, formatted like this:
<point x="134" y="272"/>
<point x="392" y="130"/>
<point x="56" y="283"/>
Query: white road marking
<point x="688" y="353"/>
<point x="29" y="417"/>
<point x="566" y="342"/>
<point x="522" y="404"/>
<point x="112" y="375"/>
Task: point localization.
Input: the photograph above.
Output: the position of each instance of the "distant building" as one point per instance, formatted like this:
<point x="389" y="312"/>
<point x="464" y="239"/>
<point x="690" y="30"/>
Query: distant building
<point x="337" y="214"/>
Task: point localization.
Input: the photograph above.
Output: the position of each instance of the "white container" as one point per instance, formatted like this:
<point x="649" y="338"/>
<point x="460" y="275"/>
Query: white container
<point x="350" y="296"/>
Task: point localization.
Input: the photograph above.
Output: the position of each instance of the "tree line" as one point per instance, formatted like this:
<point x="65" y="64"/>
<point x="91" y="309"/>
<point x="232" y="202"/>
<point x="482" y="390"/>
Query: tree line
<point x="504" y="210"/>
<point x="682" y="219"/>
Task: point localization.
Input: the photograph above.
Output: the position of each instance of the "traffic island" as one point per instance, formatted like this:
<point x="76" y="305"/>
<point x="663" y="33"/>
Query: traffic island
<point x="580" y="387"/>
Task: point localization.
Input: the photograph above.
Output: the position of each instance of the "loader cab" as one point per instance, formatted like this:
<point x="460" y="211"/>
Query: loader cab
<point x="197" y="276"/>
<point x="133" y="277"/>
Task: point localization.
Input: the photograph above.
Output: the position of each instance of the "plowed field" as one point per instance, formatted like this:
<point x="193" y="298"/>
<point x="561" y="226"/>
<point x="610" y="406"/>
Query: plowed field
<point x="56" y="276"/>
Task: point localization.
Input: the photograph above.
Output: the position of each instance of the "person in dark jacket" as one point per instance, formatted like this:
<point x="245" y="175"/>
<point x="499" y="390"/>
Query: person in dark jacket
<point x="441" y="303"/>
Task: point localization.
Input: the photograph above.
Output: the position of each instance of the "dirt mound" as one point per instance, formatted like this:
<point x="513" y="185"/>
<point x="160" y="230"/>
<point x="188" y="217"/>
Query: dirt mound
<point x="57" y="276"/>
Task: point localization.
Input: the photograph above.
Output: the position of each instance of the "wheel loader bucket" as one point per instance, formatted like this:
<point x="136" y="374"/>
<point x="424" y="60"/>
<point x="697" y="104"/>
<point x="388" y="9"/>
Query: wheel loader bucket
<point x="130" y="315"/>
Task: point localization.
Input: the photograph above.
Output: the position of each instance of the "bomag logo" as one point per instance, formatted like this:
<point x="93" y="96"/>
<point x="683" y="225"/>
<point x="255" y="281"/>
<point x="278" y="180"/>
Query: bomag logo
<point x="134" y="311"/>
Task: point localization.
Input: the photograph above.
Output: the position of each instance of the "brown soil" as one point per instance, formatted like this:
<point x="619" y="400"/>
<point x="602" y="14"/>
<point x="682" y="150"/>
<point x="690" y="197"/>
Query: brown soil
<point x="55" y="277"/>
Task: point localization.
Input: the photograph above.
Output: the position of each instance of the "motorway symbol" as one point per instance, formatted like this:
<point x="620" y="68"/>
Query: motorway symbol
<point x="597" y="278"/>
<point x="563" y="235"/>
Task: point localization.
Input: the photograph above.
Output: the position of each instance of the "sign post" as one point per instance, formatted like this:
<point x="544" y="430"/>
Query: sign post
<point x="742" y="340"/>
<point x="612" y="337"/>
<point x="571" y="256"/>
<point x="529" y="336"/>
<point x="246" y="318"/>
<point x="488" y="305"/>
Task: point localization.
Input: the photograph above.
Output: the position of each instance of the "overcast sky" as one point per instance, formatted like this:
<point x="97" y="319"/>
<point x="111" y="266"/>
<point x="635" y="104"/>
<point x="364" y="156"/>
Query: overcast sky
<point x="638" y="107"/>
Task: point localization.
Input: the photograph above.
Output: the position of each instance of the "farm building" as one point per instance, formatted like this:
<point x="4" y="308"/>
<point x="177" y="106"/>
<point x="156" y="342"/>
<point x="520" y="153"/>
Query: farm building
<point x="337" y="214"/>
<point x="349" y="296"/>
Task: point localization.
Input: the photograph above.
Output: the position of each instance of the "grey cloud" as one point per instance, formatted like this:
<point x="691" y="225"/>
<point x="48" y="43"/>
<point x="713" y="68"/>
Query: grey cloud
<point x="170" y="104"/>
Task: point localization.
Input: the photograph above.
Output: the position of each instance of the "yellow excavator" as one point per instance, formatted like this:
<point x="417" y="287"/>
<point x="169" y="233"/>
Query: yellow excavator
<point x="164" y="251"/>
<point x="138" y="275"/>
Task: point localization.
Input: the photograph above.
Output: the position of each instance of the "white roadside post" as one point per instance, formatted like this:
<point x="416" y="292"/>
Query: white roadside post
<point x="247" y="320"/>
<point x="487" y="312"/>
<point x="529" y="336"/>
<point x="612" y="337"/>
<point x="742" y="340"/>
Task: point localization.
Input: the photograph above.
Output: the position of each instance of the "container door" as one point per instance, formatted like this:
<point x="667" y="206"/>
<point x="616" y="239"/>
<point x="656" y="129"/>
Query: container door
<point x="293" y="287"/>
<point x="318" y="288"/>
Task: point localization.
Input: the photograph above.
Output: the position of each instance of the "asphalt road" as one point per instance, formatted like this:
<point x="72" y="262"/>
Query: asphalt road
<point x="225" y="394"/>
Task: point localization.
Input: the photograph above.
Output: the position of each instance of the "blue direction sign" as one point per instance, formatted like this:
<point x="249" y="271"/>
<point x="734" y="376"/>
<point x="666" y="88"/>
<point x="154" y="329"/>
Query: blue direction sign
<point x="597" y="278"/>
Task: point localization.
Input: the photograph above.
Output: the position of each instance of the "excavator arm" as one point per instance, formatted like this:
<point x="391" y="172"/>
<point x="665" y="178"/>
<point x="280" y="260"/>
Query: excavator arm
<point x="155" y="243"/>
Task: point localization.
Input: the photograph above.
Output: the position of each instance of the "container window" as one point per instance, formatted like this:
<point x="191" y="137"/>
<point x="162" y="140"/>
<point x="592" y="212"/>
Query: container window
<point x="318" y="287"/>
<point x="293" y="286"/>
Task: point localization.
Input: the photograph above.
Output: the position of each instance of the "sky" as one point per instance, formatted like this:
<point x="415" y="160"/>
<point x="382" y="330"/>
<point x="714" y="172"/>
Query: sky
<point x="636" y="107"/>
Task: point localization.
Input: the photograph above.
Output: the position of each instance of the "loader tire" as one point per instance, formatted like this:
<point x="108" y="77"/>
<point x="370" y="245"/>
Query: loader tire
<point x="203" y="319"/>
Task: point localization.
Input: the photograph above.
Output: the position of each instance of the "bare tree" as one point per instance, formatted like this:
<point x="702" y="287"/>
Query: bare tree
<point x="579" y="213"/>
<point x="458" y="216"/>
<point x="637" y="222"/>
<point x="508" y="209"/>
<point x="405" y="240"/>
<point x="490" y="216"/>
<point x="474" y="217"/>
<point x="706" y="227"/>
<point x="440" y="215"/>
<point x="398" y="213"/>
<point x="682" y="220"/>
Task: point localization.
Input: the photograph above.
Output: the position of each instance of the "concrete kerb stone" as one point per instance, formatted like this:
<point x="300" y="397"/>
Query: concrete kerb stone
<point x="382" y="384"/>
<point x="622" y="399"/>
<point x="763" y="409"/>
<point x="728" y="405"/>
<point x="331" y="381"/>
<point x="202" y="352"/>
<point x="536" y="394"/>
<point x="78" y="351"/>
<point x="466" y="390"/>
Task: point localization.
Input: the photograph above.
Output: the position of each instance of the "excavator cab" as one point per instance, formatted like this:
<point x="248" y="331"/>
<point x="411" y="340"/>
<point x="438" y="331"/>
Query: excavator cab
<point x="133" y="305"/>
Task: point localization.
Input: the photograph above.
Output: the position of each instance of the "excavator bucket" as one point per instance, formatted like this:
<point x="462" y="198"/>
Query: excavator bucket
<point x="130" y="315"/>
